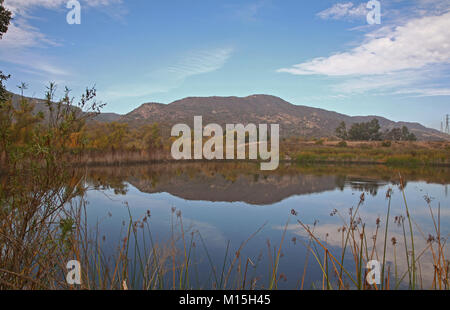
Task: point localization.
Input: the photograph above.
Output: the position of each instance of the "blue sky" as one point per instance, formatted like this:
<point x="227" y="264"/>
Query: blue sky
<point x="317" y="53"/>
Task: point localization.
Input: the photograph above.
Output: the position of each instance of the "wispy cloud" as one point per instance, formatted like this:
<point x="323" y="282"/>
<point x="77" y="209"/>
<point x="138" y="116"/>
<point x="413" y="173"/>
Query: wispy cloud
<point x="21" y="34"/>
<point x="164" y="79"/>
<point x="250" y="11"/>
<point x="199" y="62"/>
<point x="346" y="10"/>
<point x="425" y="92"/>
<point x="21" y="37"/>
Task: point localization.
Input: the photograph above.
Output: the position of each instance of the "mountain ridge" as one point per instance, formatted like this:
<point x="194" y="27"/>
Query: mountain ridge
<point x="294" y="120"/>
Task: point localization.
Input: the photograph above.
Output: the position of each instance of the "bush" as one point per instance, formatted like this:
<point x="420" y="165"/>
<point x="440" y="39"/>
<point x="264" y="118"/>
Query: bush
<point x="386" y="144"/>
<point x="342" y="144"/>
<point x="319" y="142"/>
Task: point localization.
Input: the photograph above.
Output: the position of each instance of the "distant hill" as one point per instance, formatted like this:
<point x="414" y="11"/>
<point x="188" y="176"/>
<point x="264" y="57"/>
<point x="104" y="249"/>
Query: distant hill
<point x="294" y="120"/>
<point x="40" y="106"/>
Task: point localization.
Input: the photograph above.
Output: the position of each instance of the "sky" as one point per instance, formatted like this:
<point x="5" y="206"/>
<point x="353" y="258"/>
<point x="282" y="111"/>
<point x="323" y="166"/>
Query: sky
<point x="322" y="53"/>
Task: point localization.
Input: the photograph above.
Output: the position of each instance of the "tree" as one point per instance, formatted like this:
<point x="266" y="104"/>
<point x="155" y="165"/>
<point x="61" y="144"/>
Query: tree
<point x="369" y="131"/>
<point x="408" y="136"/>
<point x="5" y="18"/>
<point x="152" y="137"/>
<point x="374" y="130"/>
<point x="23" y="87"/>
<point x="3" y="93"/>
<point x="341" y="131"/>
<point x="397" y="134"/>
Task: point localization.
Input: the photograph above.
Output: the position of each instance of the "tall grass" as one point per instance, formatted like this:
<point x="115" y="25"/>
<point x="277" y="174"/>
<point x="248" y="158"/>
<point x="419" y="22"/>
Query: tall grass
<point x="352" y="273"/>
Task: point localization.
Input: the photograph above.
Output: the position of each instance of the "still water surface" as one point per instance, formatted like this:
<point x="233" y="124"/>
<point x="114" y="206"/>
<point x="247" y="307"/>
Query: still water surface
<point x="228" y="202"/>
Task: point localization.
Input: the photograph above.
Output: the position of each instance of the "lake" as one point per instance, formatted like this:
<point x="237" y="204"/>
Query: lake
<point x="222" y="205"/>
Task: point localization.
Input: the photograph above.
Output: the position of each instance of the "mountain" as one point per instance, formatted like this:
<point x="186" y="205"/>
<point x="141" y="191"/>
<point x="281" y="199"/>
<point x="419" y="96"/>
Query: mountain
<point x="294" y="120"/>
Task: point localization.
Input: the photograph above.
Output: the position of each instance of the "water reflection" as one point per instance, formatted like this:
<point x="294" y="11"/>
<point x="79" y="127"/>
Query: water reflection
<point x="227" y="202"/>
<point x="232" y="182"/>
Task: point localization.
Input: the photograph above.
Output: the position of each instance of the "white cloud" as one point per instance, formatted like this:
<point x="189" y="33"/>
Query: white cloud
<point x="346" y="10"/>
<point x="421" y="42"/>
<point x="409" y="55"/>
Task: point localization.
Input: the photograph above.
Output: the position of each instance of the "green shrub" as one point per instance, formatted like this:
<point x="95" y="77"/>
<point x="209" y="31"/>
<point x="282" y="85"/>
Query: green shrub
<point x="319" y="142"/>
<point x="386" y="143"/>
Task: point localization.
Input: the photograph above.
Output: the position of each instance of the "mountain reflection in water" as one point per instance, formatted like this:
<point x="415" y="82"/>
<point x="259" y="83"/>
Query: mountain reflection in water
<point x="231" y="182"/>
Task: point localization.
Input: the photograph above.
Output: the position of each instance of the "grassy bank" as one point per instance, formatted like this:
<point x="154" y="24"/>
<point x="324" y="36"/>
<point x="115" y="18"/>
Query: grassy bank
<point x="397" y="154"/>
<point x="392" y="153"/>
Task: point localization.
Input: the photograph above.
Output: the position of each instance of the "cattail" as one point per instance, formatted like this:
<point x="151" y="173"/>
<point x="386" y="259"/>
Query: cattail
<point x="427" y="199"/>
<point x="389" y="193"/>
<point x="362" y="198"/>
<point x="394" y="241"/>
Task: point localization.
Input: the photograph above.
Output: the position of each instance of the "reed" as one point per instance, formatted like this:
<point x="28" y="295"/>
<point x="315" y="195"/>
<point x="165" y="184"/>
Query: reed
<point x="352" y="272"/>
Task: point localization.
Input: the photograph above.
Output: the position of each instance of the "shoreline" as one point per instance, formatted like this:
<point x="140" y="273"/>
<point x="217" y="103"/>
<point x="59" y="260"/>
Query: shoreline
<point x="290" y="161"/>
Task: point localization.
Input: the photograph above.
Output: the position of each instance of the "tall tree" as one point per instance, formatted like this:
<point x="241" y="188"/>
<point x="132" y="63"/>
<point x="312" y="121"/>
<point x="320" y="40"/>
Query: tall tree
<point x="369" y="131"/>
<point x="5" y="17"/>
<point x="341" y="131"/>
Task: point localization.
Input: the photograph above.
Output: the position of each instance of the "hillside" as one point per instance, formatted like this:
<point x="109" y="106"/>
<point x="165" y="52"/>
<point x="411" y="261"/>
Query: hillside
<point x="40" y="106"/>
<point x="294" y="120"/>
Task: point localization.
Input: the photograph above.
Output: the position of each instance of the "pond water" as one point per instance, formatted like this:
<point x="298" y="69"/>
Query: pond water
<point x="225" y="203"/>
